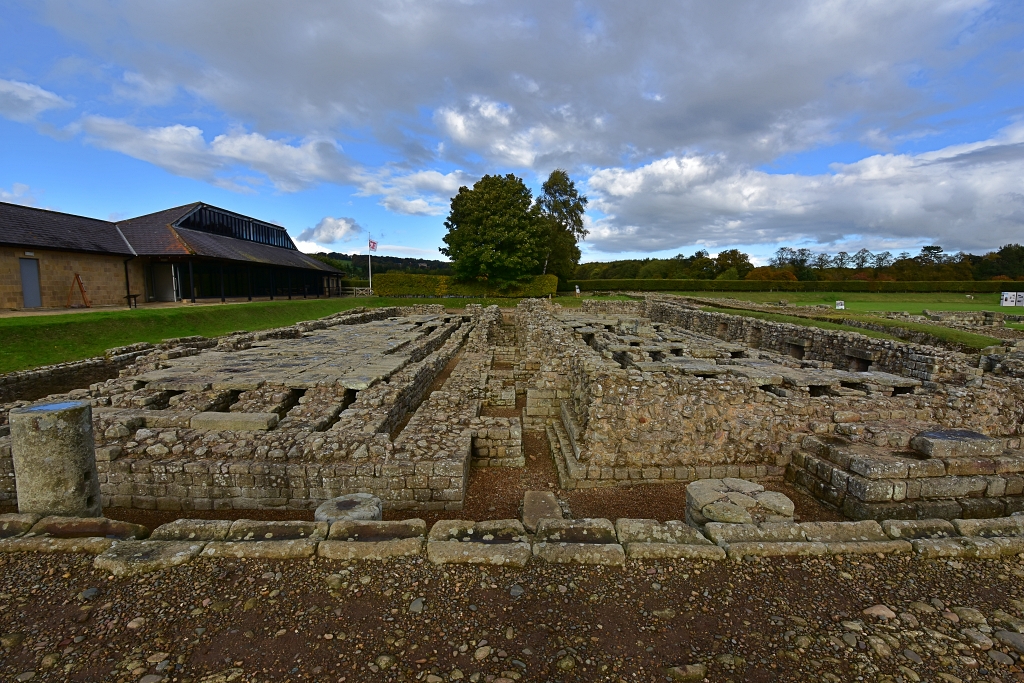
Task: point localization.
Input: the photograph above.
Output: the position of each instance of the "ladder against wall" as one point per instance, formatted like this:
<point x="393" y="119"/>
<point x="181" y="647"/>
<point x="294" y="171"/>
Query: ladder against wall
<point x="81" y="287"/>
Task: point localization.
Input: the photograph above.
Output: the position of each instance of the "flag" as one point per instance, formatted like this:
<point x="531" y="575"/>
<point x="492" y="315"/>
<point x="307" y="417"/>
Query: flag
<point x="373" y="246"/>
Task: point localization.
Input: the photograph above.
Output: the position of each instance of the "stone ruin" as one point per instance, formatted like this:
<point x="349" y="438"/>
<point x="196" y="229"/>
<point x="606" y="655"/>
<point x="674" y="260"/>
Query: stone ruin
<point x="401" y="402"/>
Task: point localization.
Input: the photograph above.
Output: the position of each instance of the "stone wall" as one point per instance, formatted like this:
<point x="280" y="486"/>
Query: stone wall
<point x="103" y="276"/>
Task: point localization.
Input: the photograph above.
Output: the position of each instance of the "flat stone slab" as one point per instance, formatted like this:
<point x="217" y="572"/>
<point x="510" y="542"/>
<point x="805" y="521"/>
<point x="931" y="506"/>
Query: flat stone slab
<point x="841" y="532"/>
<point x="911" y="529"/>
<point x="870" y="548"/>
<point x="737" y="551"/>
<point x="972" y="547"/>
<point x="192" y="530"/>
<point x="15" y="524"/>
<point x="768" y="532"/>
<point x="951" y="443"/>
<point x="235" y="422"/>
<point x="352" y="506"/>
<point x="591" y="530"/>
<point x="999" y="526"/>
<point x="46" y="544"/>
<point x="673" y="551"/>
<point x="651" y="531"/>
<point x="129" y="558"/>
<point x="538" y="505"/>
<point x="372" y="531"/>
<point x="604" y="554"/>
<point x="463" y="552"/>
<point x="371" y="550"/>
<point x="255" y="530"/>
<point x="266" y="550"/>
<point x="734" y="501"/>
<point x="495" y="531"/>
<point x="87" y="527"/>
<point x="727" y="512"/>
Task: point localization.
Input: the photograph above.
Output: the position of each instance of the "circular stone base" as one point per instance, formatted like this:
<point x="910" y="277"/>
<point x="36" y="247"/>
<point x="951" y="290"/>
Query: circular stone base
<point x="350" y="507"/>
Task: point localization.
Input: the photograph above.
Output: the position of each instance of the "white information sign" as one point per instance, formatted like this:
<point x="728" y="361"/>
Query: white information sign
<point x="1008" y="299"/>
<point x="840" y="305"/>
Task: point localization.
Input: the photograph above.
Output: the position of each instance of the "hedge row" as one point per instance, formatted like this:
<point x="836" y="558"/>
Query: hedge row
<point x="786" y="286"/>
<point x="438" y="286"/>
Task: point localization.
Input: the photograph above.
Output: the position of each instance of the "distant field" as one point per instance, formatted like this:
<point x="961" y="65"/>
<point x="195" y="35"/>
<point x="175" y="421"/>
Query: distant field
<point x="872" y="301"/>
<point x="32" y="341"/>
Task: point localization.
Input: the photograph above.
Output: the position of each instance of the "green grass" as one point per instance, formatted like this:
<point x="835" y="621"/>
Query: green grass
<point x="805" y="322"/>
<point x="870" y="301"/>
<point x="32" y="341"/>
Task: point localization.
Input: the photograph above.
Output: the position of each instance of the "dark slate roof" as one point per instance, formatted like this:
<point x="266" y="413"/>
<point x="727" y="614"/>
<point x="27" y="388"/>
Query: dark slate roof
<point x="24" y="226"/>
<point x="218" y="246"/>
<point x="152" y="234"/>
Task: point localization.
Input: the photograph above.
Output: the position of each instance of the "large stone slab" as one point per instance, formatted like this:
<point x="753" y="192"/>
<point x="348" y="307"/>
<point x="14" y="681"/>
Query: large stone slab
<point x="842" y="532"/>
<point x="951" y="443"/>
<point x="15" y="524"/>
<point x="538" y="505"/>
<point x="265" y="550"/>
<point x="1000" y="526"/>
<point x="371" y="550"/>
<point x="738" y="551"/>
<point x="192" y="530"/>
<point x="591" y="530"/>
<point x="471" y="552"/>
<point x="255" y="530"/>
<point x="352" y="506"/>
<point x="129" y="558"/>
<point x="911" y="529"/>
<point x="673" y="551"/>
<point x="605" y="554"/>
<point x="373" y="531"/>
<point x="491" y="531"/>
<point x="869" y="548"/>
<point x="235" y="422"/>
<point x="46" y="544"/>
<point x="767" y="532"/>
<point x="652" y="531"/>
<point x="88" y="527"/>
<point x="972" y="547"/>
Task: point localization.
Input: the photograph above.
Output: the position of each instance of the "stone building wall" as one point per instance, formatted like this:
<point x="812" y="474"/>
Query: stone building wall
<point x="103" y="276"/>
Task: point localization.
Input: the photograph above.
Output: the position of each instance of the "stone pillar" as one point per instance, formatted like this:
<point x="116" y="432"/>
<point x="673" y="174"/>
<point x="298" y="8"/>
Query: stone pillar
<point x="55" y="459"/>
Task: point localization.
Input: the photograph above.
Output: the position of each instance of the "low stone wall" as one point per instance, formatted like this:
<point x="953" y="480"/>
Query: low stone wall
<point x="498" y="442"/>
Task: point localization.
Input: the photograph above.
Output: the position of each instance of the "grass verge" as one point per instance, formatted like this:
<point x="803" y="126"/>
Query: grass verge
<point x="805" y="322"/>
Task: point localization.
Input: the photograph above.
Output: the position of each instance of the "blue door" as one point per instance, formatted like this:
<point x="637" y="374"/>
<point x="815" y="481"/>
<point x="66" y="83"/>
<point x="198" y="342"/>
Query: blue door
<point x="31" y="298"/>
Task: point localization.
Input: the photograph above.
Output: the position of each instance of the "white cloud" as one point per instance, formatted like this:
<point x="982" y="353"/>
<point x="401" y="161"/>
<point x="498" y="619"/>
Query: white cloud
<point x="23" y="102"/>
<point x="332" y="230"/>
<point x="19" y="193"/>
<point x="968" y="196"/>
<point x="146" y="90"/>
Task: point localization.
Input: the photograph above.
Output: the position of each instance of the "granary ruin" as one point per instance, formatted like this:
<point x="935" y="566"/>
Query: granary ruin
<point x="402" y="402"/>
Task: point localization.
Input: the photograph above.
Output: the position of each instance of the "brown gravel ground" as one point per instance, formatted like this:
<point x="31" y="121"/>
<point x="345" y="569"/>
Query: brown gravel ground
<point x="247" y="620"/>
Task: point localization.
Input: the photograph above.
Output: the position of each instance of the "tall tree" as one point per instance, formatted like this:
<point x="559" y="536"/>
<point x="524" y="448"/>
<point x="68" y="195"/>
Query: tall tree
<point x="562" y="208"/>
<point x="495" y="233"/>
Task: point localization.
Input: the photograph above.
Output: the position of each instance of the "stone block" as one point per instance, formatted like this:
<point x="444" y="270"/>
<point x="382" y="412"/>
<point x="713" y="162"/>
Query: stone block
<point x="371" y="550"/>
<point x="603" y="554"/>
<point x="869" y="490"/>
<point x="870" y="548"/>
<point x="841" y="532"/>
<point x="192" y="530"/>
<point x="767" y="532"/>
<point x="938" y="509"/>
<point x="640" y="550"/>
<point x="351" y="506"/>
<point x="256" y="530"/>
<point x="87" y="527"/>
<point x="968" y="465"/>
<point x="129" y="558"/>
<point x="48" y="544"/>
<point x="591" y="530"/>
<point x="234" y="422"/>
<point x="986" y="528"/>
<point x="950" y="443"/>
<point x="490" y="531"/>
<point x="981" y="508"/>
<point x="953" y="487"/>
<point x="366" y="531"/>
<point x="267" y="550"/>
<point x="981" y="548"/>
<point x="538" y="505"/>
<point x="469" y="552"/>
<point x="910" y="529"/>
<point x="652" y="531"/>
<point x="879" y="467"/>
<point x="14" y="524"/>
<point x="738" y="551"/>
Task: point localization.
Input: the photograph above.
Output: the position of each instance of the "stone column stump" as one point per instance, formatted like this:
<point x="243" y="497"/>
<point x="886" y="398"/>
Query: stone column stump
<point x="55" y="460"/>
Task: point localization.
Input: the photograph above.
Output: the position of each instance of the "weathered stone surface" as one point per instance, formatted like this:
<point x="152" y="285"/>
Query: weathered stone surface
<point x="377" y="531"/>
<point x="371" y="550"/>
<point x="950" y="443"/>
<point x="129" y="558"/>
<point x="910" y="529"/>
<point x="742" y="486"/>
<point x="594" y="530"/>
<point x="55" y="460"/>
<point x="639" y="550"/>
<point x="652" y="531"/>
<point x="192" y="530"/>
<point x="538" y="505"/>
<point x="46" y="544"/>
<point x="255" y="530"/>
<point x="266" y="550"/>
<point x="737" y="551"/>
<point x="839" y="532"/>
<point x="467" y="552"/>
<point x="869" y="547"/>
<point x="490" y="531"/>
<point x="687" y="673"/>
<point x="726" y="512"/>
<point x="776" y="502"/>
<point x="235" y="422"/>
<point x="957" y="547"/>
<point x="352" y="506"/>
<point x="87" y="527"/>
<point x="15" y="524"/>
<point x="772" y="532"/>
<point x="605" y="554"/>
<point x="1000" y="526"/>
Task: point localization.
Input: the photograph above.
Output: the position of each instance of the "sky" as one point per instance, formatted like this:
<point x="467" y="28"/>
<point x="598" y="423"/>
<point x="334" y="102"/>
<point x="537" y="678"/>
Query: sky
<point x="826" y="124"/>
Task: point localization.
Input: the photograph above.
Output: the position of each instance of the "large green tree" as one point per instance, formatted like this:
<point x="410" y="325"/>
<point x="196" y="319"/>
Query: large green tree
<point x="561" y="207"/>
<point x="495" y="232"/>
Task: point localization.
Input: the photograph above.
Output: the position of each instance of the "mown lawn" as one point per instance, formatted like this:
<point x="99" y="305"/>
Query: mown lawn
<point x="872" y="301"/>
<point x="806" y="322"/>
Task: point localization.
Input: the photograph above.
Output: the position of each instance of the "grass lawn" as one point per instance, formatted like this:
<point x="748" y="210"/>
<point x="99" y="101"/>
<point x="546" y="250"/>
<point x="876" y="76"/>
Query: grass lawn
<point x="32" y="341"/>
<point x="872" y="301"/>
<point x="805" y="322"/>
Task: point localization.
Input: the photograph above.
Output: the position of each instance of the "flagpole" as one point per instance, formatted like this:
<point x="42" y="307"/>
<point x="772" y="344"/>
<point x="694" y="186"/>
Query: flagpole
<point x="369" y="266"/>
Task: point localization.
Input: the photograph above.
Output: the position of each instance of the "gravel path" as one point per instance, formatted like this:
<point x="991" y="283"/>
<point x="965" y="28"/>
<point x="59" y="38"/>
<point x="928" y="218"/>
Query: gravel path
<point x="778" y="620"/>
